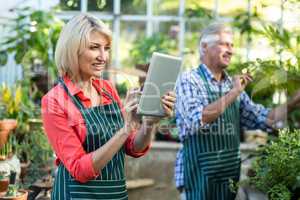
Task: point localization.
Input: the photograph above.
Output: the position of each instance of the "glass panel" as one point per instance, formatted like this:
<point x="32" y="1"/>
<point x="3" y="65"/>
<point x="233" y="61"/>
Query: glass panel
<point x="100" y="5"/>
<point x="131" y="32"/>
<point x="191" y="37"/>
<point x="170" y="33"/>
<point x="70" y="4"/>
<point x="193" y="8"/>
<point x="133" y="7"/>
<point x="231" y="7"/>
<point x="165" y="7"/>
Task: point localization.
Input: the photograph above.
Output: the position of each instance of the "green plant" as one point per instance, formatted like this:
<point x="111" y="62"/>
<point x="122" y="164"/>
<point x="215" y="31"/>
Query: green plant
<point x="122" y="89"/>
<point x="144" y="47"/>
<point x="277" y="171"/>
<point x="8" y="147"/>
<point x="34" y="39"/>
<point x="10" y="103"/>
<point x="12" y="190"/>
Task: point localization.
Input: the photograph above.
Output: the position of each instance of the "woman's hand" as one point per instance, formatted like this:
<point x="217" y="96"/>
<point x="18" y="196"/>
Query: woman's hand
<point x="131" y="120"/>
<point x="168" y="101"/>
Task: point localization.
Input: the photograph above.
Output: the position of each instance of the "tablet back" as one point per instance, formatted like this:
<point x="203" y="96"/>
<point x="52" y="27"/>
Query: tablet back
<point x="161" y="77"/>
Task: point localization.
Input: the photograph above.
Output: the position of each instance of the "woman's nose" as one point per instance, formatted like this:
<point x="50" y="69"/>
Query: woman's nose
<point x="101" y="54"/>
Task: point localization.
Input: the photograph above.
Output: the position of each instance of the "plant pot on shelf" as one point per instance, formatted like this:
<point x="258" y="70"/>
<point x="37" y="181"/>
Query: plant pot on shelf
<point x="4" y="185"/>
<point x="22" y="195"/>
<point x="6" y="126"/>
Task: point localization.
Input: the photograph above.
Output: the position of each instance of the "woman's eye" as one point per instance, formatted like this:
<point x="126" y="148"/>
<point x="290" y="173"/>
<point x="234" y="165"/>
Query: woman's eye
<point x="107" y="48"/>
<point x="93" y="47"/>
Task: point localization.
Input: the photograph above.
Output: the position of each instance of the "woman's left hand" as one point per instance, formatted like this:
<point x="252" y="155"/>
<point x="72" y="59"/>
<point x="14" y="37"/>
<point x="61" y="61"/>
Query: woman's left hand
<point x="168" y="102"/>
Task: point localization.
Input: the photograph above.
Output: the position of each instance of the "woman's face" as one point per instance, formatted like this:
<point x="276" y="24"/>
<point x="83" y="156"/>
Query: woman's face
<point x="94" y="57"/>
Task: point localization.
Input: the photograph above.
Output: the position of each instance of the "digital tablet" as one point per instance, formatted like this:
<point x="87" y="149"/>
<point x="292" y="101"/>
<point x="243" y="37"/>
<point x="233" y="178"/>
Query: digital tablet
<point x="161" y="78"/>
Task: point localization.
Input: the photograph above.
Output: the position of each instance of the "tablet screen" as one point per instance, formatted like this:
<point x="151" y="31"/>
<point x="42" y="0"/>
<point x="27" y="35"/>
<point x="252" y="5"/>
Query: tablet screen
<point x="161" y="78"/>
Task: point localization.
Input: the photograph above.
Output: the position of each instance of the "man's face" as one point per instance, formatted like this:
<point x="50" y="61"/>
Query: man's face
<point x="219" y="52"/>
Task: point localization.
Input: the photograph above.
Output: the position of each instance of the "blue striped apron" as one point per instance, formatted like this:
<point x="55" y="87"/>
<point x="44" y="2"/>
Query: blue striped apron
<point x="212" y="156"/>
<point x="102" y="122"/>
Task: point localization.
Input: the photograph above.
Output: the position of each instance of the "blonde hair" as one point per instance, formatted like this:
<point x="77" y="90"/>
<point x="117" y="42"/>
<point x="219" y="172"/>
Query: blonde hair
<point x="73" y="39"/>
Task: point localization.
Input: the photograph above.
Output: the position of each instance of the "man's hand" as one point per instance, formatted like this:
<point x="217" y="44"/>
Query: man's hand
<point x="295" y="101"/>
<point x="241" y="81"/>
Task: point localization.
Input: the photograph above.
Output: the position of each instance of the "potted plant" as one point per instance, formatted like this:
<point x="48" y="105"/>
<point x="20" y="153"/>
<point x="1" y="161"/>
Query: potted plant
<point x="9" y="106"/>
<point x="276" y="172"/>
<point x="13" y="192"/>
<point x="33" y="46"/>
<point x="4" y="182"/>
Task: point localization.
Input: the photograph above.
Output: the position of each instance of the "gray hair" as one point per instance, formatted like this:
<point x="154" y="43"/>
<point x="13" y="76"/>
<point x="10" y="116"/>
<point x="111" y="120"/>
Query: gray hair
<point x="73" y="39"/>
<point x="210" y="34"/>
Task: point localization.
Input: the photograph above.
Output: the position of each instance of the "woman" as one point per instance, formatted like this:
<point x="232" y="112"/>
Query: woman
<point x="85" y="122"/>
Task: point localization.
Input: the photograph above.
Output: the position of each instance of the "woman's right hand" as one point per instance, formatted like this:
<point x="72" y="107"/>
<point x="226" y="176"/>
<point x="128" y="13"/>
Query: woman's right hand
<point x="131" y="120"/>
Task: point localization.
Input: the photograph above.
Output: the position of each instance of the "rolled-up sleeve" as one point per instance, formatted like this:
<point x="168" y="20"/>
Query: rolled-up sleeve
<point x="65" y="142"/>
<point x="253" y="116"/>
<point x="190" y="101"/>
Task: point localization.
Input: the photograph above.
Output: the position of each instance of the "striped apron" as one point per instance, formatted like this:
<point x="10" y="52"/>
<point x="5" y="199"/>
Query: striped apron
<point x="102" y="122"/>
<point x="212" y="156"/>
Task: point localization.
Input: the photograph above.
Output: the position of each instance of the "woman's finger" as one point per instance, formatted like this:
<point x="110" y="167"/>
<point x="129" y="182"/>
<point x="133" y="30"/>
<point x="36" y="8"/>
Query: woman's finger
<point x="131" y="108"/>
<point x="168" y="103"/>
<point x="171" y="93"/>
<point x="169" y="98"/>
<point x="168" y="111"/>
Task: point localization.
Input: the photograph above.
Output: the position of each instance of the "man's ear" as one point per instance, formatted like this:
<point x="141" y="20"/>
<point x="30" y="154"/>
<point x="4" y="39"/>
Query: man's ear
<point x="204" y="46"/>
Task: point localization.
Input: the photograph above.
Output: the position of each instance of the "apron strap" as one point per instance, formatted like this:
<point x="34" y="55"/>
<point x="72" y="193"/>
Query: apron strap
<point x="75" y="98"/>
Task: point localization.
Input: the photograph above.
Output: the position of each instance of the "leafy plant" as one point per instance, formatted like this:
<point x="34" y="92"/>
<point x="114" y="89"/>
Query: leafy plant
<point x="12" y="190"/>
<point x="277" y="171"/>
<point x="36" y="33"/>
<point x="10" y="103"/>
<point x="144" y="47"/>
<point x="32" y="42"/>
<point x="8" y="147"/>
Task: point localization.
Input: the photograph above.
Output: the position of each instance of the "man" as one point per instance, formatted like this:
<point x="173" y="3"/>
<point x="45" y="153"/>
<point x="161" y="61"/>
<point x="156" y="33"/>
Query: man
<point x="211" y="108"/>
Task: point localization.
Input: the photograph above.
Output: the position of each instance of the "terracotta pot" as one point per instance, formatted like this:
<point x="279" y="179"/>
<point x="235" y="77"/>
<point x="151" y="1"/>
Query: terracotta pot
<point x="22" y="196"/>
<point x="4" y="185"/>
<point x="6" y="126"/>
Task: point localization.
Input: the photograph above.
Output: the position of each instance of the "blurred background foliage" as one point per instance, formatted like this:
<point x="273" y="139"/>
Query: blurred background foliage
<point x="267" y="45"/>
<point x="264" y="44"/>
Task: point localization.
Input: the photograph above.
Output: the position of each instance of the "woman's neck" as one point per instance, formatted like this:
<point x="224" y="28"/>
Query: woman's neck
<point x="85" y="84"/>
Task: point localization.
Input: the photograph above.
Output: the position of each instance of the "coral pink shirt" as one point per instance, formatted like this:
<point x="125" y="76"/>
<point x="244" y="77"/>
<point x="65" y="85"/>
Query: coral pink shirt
<point x="66" y="130"/>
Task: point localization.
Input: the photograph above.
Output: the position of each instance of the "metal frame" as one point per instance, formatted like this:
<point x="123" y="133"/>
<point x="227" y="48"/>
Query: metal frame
<point x="116" y="17"/>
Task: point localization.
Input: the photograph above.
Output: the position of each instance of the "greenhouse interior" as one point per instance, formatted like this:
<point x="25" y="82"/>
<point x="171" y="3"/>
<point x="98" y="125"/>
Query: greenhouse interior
<point x="220" y="80"/>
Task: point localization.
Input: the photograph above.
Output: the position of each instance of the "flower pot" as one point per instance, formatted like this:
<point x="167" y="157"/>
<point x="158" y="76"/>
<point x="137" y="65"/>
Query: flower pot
<point x="22" y="195"/>
<point x="6" y="126"/>
<point x="4" y="185"/>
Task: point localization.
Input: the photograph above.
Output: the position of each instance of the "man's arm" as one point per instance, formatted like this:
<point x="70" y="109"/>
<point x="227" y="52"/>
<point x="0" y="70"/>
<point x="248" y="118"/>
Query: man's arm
<point x="212" y="111"/>
<point x="280" y="113"/>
